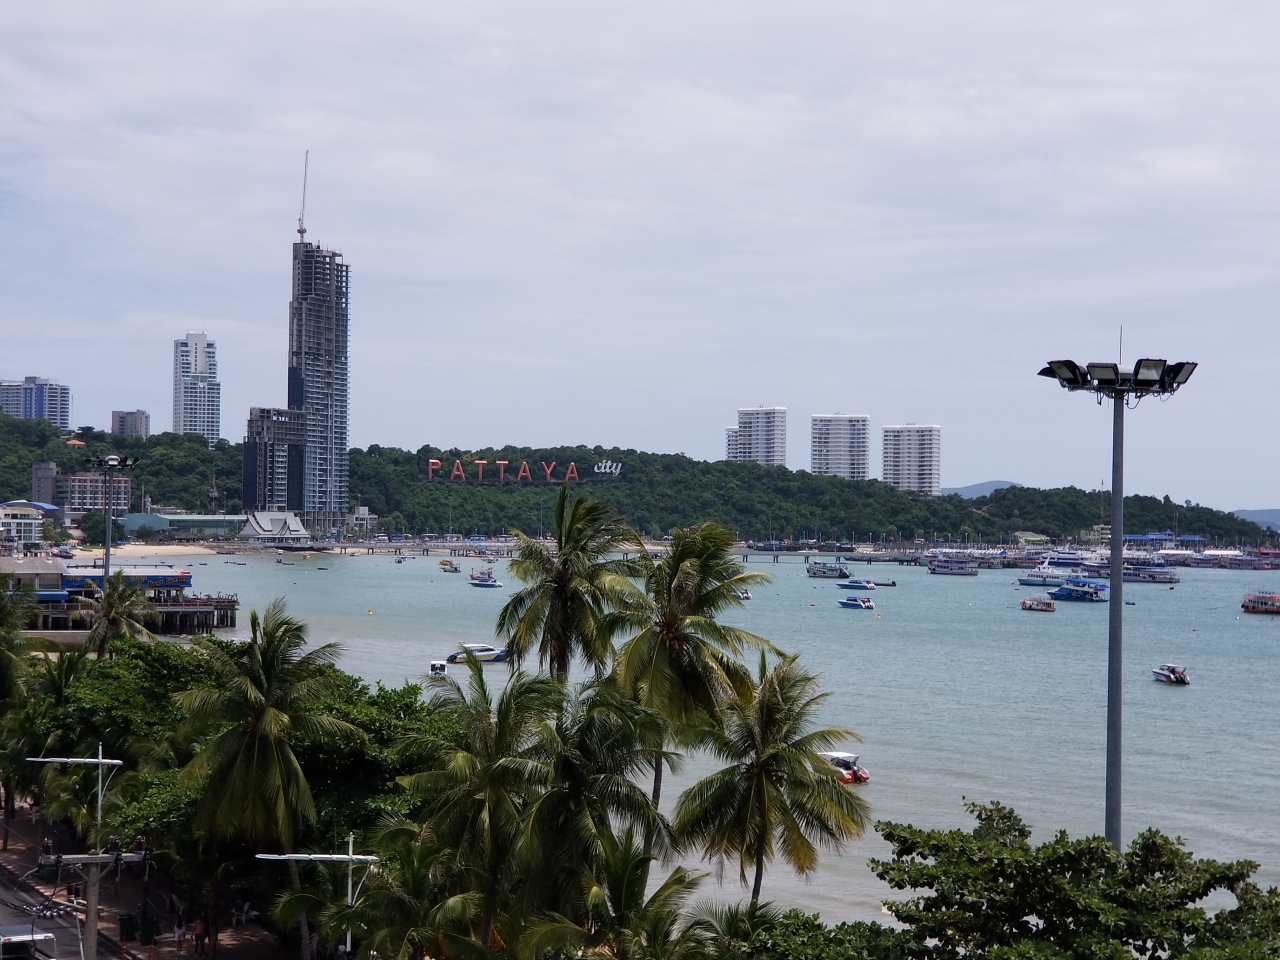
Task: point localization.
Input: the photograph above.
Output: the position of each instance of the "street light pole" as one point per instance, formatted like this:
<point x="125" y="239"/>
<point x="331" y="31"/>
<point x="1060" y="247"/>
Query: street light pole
<point x="1119" y="384"/>
<point x="350" y="858"/>
<point x="109" y="465"/>
<point x="94" y="867"/>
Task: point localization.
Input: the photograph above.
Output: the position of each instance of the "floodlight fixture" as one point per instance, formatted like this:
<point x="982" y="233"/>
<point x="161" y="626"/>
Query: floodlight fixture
<point x="1105" y="374"/>
<point x="1068" y="373"/>
<point x="1147" y="373"/>
<point x="1176" y="374"/>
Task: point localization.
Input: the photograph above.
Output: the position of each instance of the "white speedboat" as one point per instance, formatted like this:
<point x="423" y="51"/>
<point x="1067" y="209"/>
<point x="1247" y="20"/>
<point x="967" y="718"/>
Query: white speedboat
<point x="484" y="652"/>
<point x="483" y="578"/>
<point x="1172" y="673"/>
<point x="857" y="603"/>
<point x="742" y="594"/>
<point x="847" y="769"/>
<point x="856" y="585"/>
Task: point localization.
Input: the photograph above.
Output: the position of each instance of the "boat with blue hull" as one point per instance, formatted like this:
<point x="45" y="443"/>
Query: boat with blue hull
<point x="856" y="585"/>
<point x="1084" y="591"/>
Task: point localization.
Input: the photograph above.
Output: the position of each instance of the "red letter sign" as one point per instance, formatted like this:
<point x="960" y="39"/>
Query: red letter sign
<point x="432" y="467"/>
<point x="524" y="473"/>
<point x="571" y="473"/>
<point x="457" y="473"/>
<point x="480" y="468"/>
<point x="547" y="470"/>
<point x="502" y="469"/>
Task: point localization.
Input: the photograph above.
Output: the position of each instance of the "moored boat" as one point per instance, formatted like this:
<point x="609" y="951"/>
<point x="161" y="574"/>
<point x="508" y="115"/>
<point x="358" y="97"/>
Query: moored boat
<point x="448" y="566"/>
<point x="1039" y="604"/>
<point x="847" y="769"/>
<point x="827" y="569"/>
<point x="484" y="652"/>
<point x="1261" y="601"/>
<point x="1042" y="576"/>
<point x="856" y="585"/>
<point x="857" y="603"/>
<point x="1171" y="673"/>
<point x="1085" y="591"/>
<point x="954" y="566"/>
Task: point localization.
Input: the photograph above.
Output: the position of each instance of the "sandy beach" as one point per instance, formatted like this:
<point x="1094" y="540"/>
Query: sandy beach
<point x="146" y="550"/>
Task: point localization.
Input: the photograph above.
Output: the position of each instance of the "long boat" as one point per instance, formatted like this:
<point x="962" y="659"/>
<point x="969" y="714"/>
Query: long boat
<point x="1261" y="601"/>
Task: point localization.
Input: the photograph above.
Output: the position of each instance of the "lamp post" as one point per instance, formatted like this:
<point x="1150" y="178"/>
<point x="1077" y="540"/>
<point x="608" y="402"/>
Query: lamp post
<point x="1118" y="384"/>
<point x="94" y="860"/>
<point x="108" y="466"/>
<point x="350" y="858"/>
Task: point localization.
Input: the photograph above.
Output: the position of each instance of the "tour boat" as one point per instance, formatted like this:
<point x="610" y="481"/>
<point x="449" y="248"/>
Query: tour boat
<point x="488" y="583"/>
<point x="1171" y="673"/>
<point x="483" y="578"/>
<point x="856" y="585"/>
<point x="1082" y="590"/>
<point x="827" y="569"/>
<point x="1042" y="576"/>
<point x="1063" y="558"/>
<point x="1040" y="604"/>
<point x="1261" y="601"/>
<point x="857" y="603"/>
<point x="483" y="652"/>
<point x="954" y="566"/>
<point x="847" y="769"/>
<point x="448" y="566"/>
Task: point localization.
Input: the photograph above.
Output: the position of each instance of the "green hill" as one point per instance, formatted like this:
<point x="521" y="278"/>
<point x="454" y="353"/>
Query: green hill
<point x="656" y="492"/>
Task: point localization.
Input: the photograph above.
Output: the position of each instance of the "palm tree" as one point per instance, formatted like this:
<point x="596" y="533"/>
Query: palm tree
<point x="776" y="796"/>
<point x="120" y="611"/>
<point x="477" y="794"/>
<point x="17" y="607"/>
<point x="619" y="921"/>
<point x="569" y="590"/>
<point x="682" y="662"/>
<point x="253" y="785"/>
<point x="590" y="756"/>
<point x="410" y="907"/>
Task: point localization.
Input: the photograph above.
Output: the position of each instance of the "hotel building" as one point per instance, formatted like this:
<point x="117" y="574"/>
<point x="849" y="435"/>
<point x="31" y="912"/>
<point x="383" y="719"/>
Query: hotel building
<point x="35" y="398"/>
<point x="131" y="423"/>
<point x="197" y="393"/>
<point x="840" y="445"/>
<point x="761" y="435"/>
<point x="913" y="457"/>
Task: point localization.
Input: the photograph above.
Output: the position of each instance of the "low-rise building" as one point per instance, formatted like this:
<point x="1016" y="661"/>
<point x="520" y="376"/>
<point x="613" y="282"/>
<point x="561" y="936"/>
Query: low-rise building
<point x="270" y="528"/>
<point x="21" y="524"/>
<point x="131" y="423"/>
<point x="185" y="526"/>
<point x="363" y="523"/>
<point x="75" y="494"/>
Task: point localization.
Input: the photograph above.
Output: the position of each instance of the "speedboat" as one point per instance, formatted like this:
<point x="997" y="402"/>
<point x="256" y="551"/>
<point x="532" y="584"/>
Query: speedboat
<point x="1039" y="604"/>
<point x="856" y="585"/>
<point x="484" y="652"/>
<point x="847" y="769"/>
<point x="483" y="578"/>
<point x="742" y="594"/>
<point x="1172" y="673"/>
<point x="857" y="603"/>
<point x="827" y="569"/>
<point x="1086" y="591"/>
<point x="439" y="668"/>
<point x="488" y="584"/>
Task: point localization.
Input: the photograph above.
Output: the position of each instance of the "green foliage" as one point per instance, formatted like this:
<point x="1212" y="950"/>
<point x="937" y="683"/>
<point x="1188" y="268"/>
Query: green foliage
<point x="93" y="524"/>
<point x="800" y="937"/>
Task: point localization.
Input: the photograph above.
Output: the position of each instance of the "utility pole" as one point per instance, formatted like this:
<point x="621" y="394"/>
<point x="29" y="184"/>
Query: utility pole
<point x="350" y="858"/>
<point x="93" y="862"/>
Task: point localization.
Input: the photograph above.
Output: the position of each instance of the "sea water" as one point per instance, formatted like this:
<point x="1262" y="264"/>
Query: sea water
<point x="955" y="691"/>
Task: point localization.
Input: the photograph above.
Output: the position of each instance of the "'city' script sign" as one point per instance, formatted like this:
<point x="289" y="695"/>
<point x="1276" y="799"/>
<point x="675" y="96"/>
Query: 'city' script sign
<point x="548" y="471"/>
<point x="609" y="466"/>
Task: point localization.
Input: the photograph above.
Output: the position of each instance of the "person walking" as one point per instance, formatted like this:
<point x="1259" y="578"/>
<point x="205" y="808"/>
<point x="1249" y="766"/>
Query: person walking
<point x="179" y="934"/>
<point x="200" y="934"/>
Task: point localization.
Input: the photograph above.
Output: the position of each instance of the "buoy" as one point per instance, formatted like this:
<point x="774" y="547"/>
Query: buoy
<point x="877" y="616"/>
<point x="371" y="613"/>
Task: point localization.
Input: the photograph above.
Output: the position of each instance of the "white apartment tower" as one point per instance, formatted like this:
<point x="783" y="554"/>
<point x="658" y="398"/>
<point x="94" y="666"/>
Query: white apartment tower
<point x="35" y="398"/>
<point x="913" y="457"/>
<point x="761" y="435"/>
<point x="197" y="394"/>
<point x="840" y="445"/>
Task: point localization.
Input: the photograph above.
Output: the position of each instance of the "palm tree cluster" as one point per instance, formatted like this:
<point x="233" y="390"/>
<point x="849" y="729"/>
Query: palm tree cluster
<point x="515" y="814"/>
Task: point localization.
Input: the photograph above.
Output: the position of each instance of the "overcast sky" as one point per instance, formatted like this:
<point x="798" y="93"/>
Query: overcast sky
<point x="615" y="224"/>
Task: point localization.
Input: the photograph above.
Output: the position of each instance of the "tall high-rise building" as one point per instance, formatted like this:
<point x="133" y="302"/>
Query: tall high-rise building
<point x="197" y="393"/>
<point x="913" y="457"/>
<point x="275" y="444"/>
<point x="318" y="379"/>
<point x="131" y="423"/>
<point x="840" y="445"/>
<point x="761" y="435"/>
<point x="35" y="398"/>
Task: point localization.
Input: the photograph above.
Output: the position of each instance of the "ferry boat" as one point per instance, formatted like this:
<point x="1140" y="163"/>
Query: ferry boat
<point x="1042" y="576"/>
<point x="1172" y="673"/>
<point x="827" y="569"/>
<point x="856" y="585"/>
<point x="1039" y="604"/>
<point x="1134" y="573"/>
<point x="954" y="566"/>
<point x="1081" y="590"/>
<point x="847" y="769"/>
<point x="1063" y="558"/>
<point x="857" y="603"/>
<point x="1261" y="601"/>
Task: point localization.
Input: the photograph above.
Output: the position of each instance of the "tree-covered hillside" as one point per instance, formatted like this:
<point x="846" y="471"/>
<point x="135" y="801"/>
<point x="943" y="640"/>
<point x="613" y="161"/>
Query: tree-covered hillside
<point x="656" y="492"/>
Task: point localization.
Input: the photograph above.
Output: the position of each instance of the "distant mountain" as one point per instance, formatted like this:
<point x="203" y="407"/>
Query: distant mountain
<point x="1267" y="519"/>
<point x="984" y="489"/>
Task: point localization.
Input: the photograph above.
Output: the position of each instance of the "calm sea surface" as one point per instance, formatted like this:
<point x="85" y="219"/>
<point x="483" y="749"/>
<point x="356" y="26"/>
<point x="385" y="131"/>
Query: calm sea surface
<point x="955" y="691"/>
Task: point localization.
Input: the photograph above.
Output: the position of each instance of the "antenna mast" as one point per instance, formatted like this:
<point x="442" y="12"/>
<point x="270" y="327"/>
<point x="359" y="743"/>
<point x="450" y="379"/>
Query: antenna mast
<point x="302" y="214"/>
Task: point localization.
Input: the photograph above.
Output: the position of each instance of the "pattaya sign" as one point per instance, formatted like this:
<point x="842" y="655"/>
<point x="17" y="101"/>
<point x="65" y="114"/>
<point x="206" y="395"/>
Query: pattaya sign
<point x="500" y="468"/>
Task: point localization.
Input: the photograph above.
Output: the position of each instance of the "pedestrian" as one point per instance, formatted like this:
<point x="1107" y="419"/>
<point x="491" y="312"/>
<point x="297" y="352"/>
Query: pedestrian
<point x="200" y="933"/>
<point x="179" y="934"/>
